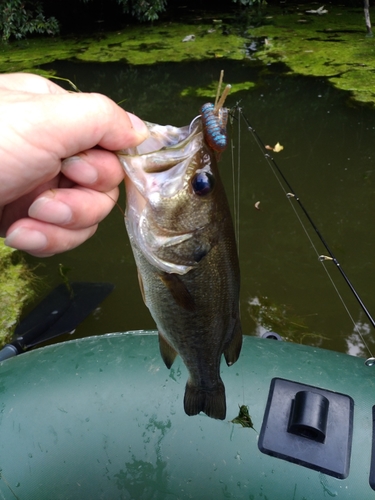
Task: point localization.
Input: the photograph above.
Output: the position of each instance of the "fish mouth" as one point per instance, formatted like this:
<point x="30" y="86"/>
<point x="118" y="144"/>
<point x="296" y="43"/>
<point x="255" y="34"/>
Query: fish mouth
<point x="158" y="166"/>
<point x="164" y="137"/>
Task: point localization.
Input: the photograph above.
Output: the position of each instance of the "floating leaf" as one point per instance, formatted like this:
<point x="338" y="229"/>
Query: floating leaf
<point x="277" y="147"/>
<point x="243" y="417"/>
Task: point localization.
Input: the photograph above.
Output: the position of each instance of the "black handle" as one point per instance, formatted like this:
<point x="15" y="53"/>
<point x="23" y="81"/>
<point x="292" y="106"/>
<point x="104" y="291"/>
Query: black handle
<point x="8" y="351"/>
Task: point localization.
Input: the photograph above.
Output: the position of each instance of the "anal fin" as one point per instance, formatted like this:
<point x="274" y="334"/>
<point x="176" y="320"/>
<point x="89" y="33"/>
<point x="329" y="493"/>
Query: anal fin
<point x="232" y="351"/>
<point x="212" y="402"/>
<point x="168" y="353"/>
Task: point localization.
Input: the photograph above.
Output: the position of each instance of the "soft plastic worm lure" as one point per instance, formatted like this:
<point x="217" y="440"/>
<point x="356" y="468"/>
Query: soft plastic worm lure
<point x="214" y="126"/>
<point x="214" y="119"/>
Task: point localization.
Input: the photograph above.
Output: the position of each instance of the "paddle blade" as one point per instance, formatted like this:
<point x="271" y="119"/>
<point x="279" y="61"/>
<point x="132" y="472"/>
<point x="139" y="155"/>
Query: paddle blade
<point x="60" y="312"/>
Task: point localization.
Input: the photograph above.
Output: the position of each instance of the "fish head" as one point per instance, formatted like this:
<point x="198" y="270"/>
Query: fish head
<point x="173" y="196"/>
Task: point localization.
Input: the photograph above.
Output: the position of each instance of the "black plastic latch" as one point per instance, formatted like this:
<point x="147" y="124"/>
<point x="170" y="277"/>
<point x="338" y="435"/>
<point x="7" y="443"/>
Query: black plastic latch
<point x="309" y="415"/>
<point x="308" y="426"/>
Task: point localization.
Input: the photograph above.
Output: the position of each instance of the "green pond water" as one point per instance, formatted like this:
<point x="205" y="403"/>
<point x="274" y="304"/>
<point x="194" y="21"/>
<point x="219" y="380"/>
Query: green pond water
<point x="328" y="158"/>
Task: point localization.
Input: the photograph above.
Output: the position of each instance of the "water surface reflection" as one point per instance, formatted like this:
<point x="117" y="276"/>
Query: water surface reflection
<point x="328" y="158"/>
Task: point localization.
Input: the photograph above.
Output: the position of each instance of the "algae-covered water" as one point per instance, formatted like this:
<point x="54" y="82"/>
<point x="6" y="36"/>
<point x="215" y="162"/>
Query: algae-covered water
<point x="328" y="158"/>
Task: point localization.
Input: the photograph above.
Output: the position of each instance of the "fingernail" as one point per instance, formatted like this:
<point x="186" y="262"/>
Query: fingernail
<point x="26" y="239"/>
<point x="139" y="126"/>
<point x="50" y="210"/>
<point x="80" y="169"/>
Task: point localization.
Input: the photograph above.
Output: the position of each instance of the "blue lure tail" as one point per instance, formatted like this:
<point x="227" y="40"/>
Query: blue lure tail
<point x="214" y="126"/>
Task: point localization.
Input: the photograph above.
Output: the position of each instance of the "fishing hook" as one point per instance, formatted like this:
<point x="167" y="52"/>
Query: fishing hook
<point x="192" y="122"/>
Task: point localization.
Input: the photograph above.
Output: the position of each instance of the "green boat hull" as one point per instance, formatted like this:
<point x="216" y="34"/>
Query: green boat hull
<point x="103" y="418"/>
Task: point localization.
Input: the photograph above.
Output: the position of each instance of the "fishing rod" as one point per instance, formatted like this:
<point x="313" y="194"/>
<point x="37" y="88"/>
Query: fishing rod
<point x="292" y="195"/>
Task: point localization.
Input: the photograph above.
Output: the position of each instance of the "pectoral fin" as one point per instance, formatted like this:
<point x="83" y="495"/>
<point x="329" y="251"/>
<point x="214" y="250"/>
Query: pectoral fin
<point x="167" y="352"/>
<point x="179" y="292"/>
<point x="232" y="351"/>
<point x="140" y="281"/>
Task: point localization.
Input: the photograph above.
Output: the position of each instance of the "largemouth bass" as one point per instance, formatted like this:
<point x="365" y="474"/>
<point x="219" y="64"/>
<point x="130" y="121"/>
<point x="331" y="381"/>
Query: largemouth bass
<point x="181" y="233"/>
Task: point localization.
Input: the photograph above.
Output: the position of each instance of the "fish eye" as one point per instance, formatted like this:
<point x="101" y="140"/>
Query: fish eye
<point x="203" y="183"/>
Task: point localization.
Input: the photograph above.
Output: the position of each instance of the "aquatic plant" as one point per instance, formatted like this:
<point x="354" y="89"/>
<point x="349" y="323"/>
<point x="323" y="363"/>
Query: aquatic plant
<point x="17" y="287"/>
<point x="244" y="417"/>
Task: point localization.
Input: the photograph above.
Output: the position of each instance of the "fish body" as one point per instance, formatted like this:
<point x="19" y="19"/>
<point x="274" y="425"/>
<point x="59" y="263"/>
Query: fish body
<point x="182" y="236"/>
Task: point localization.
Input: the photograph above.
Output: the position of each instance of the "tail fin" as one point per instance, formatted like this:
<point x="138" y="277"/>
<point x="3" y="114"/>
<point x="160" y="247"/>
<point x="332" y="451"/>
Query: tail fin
<point x="210" y="401"/>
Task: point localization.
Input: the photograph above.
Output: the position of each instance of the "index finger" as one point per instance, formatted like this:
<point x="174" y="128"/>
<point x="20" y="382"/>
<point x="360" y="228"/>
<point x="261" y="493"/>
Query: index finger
<point x="28" y="82"/>
<point x="37" y="131"/>
<point x="65" y="124"/>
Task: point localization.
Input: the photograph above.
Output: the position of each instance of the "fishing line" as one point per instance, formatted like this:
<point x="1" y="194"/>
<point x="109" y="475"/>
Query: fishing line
<point x="236" y="198"/>
<point x="234" y="190"/>
<point x="238" y="178"/>
<point x="292" y="196"/>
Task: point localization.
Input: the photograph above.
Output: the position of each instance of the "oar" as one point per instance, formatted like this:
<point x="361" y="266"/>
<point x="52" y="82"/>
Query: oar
<point x="60" y="312"/>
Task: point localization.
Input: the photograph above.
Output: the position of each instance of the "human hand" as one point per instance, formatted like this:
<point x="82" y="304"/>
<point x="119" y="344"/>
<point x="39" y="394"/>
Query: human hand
<point x="56" y="185"/>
